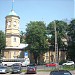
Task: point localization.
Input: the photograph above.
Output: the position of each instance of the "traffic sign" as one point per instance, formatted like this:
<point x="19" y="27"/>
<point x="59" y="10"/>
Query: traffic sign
<point x="26" y="54"/>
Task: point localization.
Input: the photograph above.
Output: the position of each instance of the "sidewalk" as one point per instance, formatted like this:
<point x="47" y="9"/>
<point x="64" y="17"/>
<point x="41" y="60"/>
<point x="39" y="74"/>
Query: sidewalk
<point x="73" y="72"/>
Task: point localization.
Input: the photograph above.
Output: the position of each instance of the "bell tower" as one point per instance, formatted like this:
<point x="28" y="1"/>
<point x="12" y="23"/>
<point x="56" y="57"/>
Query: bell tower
<point x="13" y="49"/>
<point x="12" y="29"/>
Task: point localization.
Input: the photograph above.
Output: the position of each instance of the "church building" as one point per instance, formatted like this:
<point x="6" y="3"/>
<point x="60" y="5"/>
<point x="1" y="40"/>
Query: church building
<point x="14" y="48"/>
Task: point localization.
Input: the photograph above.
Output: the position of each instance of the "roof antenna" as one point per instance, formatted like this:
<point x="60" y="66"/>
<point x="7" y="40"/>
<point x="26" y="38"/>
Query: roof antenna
<point x="12" y="4"/>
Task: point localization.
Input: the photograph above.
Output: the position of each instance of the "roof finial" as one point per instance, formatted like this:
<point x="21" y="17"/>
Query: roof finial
<point x="12" y="4"/>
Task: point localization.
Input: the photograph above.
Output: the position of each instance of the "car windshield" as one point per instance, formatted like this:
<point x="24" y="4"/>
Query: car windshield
<point x="70" y="62"/>
<point x="60" y="73"/>
<point x="16" y="67"/>
<point x="31" y="66"/>
<point x="2" y="67"/>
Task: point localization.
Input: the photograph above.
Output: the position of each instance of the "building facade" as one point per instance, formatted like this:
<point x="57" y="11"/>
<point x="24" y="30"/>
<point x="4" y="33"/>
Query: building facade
<point x="14" y="48"/>
<point x="50" y="56"/>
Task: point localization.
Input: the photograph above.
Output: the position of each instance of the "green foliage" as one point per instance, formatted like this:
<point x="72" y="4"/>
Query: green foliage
<point x="69" y="67"/>
<point x="71" y="40"/>
<point x="62" y="61"/>
<point x="2" y="41"/>
<point x="61" y="28"/>
<point x="36" y="38"/>
<point x="22" y="37"/>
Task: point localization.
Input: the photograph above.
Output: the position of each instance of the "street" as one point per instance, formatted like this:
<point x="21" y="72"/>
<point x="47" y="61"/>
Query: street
<point x="40" y="67"/>
<point x="38" y="73"/>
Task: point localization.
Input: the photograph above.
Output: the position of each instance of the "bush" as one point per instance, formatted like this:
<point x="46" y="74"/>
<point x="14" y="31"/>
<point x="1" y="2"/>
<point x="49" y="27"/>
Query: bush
<point x="62" y="61"/>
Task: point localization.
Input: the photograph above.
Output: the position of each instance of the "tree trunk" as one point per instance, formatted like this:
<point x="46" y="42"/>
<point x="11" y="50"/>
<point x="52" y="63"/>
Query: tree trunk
<point x="35" y="58"/>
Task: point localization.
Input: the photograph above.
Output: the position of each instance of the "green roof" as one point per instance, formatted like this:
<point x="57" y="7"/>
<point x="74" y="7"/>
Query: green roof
<point x="12" y="13"/>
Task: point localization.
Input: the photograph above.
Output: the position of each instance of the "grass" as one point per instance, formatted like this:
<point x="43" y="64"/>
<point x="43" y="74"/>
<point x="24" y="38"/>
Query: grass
<point x="70" y="68"/>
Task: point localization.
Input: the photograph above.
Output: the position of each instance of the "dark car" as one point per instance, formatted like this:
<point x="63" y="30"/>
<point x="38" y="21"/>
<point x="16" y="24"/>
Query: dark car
<point x="4" y="69"/>
<point x="31" y="68"/>
<point x="60" y="72"/>
<point x="15" y="69"/>
<point x="16" y="64"/>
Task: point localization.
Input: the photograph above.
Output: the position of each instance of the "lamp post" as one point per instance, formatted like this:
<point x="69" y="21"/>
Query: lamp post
<point x="56" y="45"/>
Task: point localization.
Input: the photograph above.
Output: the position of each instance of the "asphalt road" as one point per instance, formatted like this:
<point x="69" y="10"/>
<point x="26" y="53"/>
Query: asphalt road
<point x="38" y="73"/>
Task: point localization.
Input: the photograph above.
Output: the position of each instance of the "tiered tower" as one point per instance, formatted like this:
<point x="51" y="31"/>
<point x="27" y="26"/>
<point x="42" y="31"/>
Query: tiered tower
<point x="13" y="49"/>
<point x="12" y="30"/>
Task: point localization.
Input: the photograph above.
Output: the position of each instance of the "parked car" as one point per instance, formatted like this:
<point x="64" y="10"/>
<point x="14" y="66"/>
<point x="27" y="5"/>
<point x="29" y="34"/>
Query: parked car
<point x="68" y="63"/>
<point x="1" y="64"/>
<point x="52" y="64"/>
<point x="31" y="68"/>
<point x="17" y="64"/>
<point x="4" y="69"/>
<point x="60" y="72"/>
<point x="16" y="68"/>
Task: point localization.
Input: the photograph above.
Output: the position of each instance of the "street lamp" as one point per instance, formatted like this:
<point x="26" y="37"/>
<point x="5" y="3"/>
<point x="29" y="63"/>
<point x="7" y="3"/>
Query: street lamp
<point x="56" y="44"/>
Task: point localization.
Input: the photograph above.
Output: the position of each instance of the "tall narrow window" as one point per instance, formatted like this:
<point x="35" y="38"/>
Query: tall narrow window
<point x="9" y="23"/>
<point x="14" y="23"/>
<point x="14" y="39"/>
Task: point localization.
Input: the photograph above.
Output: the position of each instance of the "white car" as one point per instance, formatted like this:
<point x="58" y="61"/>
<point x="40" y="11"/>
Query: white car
<point x="68" y="63"/>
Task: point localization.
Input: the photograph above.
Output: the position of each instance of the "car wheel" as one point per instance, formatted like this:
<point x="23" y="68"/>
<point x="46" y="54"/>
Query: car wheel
<point x="48" y="65"/>
<point x="65" y="65"/>
<point x="5" y="65"/>
<point x="35" y="72"/>
<point x="11" y="72"/>
<point x="20" y="72"/>
<point x="72" y="65"/>
<point x="5" y="72"/>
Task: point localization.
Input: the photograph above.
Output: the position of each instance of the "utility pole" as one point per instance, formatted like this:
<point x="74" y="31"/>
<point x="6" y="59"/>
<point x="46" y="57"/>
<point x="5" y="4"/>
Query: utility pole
<point x="56" y="45"/>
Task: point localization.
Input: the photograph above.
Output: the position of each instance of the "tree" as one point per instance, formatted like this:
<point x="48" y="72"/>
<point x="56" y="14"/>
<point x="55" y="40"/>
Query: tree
<point x="2" y="41"/>
<point x="61" y="28"/>
<point x="36" y="38"/>
<point x="22" y="37"/>
<point x="71" y="40"/>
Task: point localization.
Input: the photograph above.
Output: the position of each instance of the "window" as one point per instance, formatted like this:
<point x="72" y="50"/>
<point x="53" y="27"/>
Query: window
<point x="14" y="23"/>
<point x="14" y="53"/>
<point x="9" y="23"/>
<point x="14" y="39"/>
<point x="47" y="57"/>
<point x="47" y="54"/>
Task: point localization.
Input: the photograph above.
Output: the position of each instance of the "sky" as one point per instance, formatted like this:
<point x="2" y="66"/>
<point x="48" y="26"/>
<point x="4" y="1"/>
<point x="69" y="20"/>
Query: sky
<point x="37" y="10"/>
